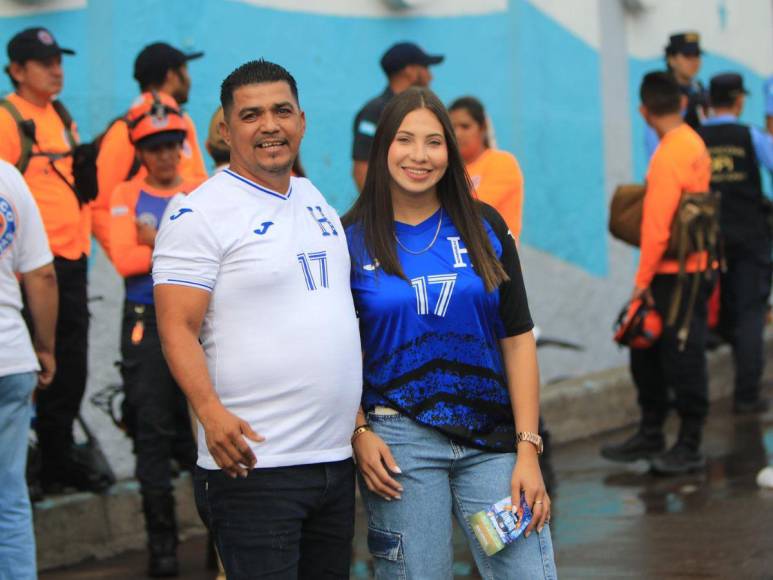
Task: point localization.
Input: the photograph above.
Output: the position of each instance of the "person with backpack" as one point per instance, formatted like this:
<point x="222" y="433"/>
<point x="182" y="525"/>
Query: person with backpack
<point x="738" y="152"/>
<point x="160" y="424"/>
<point x="38" y="137"/>
<point x="676" y="362"/>
<point x="158" y="68"/>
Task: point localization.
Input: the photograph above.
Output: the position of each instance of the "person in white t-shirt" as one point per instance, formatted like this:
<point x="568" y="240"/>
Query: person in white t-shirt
<point x="24" y="363"/>
<point x="258" y="326"/>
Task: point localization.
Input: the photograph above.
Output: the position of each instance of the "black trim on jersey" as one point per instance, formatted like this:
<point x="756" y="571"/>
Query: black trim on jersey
<point x="513" y="302"/>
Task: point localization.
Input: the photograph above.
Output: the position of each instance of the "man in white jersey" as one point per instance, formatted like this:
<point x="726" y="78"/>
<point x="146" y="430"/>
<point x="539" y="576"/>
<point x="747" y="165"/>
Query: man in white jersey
<point x="258" y="325"/>
<point x="24" y="363"/>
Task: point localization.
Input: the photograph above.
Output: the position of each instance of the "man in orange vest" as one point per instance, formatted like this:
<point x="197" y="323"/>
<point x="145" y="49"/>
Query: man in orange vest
<point x="38" y="138"/>
<point x="162" y="69"/>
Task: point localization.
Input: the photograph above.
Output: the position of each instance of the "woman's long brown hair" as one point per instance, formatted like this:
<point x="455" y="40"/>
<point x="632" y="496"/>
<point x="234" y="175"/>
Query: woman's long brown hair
<point x="372" y="210"/>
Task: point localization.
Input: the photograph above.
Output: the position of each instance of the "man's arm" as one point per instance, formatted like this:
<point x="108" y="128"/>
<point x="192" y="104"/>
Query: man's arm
<point x="769" y="104"/>
<point x="180" y="311"/>
<point x="661" y="202"/>
<point x="763" y="147"/>
<point x="365" y="123"/>
<point x="43" y="302"/>
<point x="359" y="171"/>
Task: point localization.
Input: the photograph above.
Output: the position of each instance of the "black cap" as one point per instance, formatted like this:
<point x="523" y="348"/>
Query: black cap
<point x="726" y="87"/>
<point x="403" y="54"/>
<point x="155" y="60"/>
<point x="687" y="43"/>
<point x="34" y="44"/>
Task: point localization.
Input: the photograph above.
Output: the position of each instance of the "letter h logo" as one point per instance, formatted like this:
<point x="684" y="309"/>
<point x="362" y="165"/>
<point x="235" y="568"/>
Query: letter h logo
<point x="323" y="222"/>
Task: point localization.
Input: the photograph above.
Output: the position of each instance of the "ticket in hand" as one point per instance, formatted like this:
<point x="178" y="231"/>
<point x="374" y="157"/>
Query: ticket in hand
<point x="498" y="525"/>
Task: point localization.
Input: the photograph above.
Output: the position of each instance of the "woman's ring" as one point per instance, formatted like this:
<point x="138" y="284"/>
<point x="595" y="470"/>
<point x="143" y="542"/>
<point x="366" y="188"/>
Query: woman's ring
<point x="539" y="501"/>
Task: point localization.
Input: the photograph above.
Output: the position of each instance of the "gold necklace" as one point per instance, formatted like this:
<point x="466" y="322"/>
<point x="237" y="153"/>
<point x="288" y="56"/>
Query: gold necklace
<point x="432" y="243"/>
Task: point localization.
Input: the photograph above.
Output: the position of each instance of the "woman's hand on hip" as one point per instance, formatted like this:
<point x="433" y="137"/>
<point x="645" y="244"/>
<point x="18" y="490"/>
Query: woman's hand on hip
<point x="375" y="462"/>
<point x="527" y="477"/>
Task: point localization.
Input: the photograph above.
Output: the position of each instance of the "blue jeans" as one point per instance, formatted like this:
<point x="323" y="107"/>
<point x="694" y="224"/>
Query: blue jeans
<point x="410" y="538"/>
<point x="283" y="523"/>
<point x="17" y="539"/>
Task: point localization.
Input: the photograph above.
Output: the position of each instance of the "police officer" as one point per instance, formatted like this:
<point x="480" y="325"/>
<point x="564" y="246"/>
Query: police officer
<point x="406" y="65"/>
<point x="683" y="60"/>
<point x="738" y="152"/>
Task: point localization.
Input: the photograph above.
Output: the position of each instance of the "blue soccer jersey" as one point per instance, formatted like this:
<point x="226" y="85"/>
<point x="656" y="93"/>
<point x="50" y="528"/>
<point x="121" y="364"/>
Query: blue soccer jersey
<point x="431" y="344"/>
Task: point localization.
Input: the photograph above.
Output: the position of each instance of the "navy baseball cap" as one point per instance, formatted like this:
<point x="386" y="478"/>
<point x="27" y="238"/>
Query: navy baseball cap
<point x="403" y="54"/>
<point x="726" y="87"/>
<point x="34" y="44"/>
<point x="153" y="62"/>
<point x="686" y="43"/>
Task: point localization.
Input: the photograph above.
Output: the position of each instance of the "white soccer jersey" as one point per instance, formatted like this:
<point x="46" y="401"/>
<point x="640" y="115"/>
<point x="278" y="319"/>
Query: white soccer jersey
<point x="23" y="248"/>
<point x="280" y="336"/>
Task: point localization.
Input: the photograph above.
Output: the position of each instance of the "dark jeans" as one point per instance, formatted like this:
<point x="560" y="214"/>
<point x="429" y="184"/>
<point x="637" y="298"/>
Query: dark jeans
<point x="59" y="404"/>
<point x="282" y="522"/>
<point x="663" y="368"/>
<point x="744" y="290"/>
<point x="155" y="407"/>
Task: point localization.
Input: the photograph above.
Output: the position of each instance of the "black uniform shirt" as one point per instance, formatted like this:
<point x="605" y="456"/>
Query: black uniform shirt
<point x="365" y="125"/>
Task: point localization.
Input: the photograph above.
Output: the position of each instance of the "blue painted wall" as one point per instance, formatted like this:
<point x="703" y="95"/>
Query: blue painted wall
<point x="540" y="83"/>
<point x="517" y="63"/>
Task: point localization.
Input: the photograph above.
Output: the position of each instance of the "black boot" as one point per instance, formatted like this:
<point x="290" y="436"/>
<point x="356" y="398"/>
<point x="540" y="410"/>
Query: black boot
<point x="645" y="443"/>
<point x="684" y="456"/>
<point x="161" y="525"/>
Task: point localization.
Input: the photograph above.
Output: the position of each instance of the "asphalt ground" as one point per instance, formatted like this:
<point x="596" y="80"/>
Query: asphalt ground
<point x="610" y="520"/>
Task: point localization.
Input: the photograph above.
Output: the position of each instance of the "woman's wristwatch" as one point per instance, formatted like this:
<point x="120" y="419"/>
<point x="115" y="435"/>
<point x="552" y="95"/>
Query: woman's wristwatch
<point x="530" y="437"/>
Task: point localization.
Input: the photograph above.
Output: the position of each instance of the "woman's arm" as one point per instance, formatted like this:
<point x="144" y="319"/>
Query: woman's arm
<point x="520" y="357"/>
<point x="375" y="461"/>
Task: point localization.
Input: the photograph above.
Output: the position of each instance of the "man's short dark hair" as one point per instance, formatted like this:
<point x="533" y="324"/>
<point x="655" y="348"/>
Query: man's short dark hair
<point x="252" y="73"/>
<point x="660" y="93"/>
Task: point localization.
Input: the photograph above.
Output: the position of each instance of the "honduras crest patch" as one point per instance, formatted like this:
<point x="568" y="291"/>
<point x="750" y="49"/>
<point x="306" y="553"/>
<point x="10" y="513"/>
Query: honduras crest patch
<point x="7" y="224"/>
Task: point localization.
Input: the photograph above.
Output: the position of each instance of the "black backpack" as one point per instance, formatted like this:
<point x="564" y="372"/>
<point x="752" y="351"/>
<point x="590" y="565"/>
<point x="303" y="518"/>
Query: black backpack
<point x="84" y="155"/>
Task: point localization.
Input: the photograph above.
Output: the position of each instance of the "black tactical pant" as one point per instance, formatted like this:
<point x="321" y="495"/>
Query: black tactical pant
<point x="744" y="290"/>
<point x="663" y="368"/>
<point x="59" y="404"/>
<point x="156" y="410"/>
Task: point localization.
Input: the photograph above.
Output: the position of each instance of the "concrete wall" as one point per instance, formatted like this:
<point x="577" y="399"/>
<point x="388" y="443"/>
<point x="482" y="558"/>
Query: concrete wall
<point x="559" y="80"/>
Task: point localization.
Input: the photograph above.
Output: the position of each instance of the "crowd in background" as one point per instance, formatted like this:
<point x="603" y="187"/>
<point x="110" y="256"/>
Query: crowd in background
<point x="59" y="192"/>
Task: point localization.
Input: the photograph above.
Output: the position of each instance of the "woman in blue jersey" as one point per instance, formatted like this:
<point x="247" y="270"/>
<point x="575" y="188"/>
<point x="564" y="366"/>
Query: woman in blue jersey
<point x="451" y="384"/>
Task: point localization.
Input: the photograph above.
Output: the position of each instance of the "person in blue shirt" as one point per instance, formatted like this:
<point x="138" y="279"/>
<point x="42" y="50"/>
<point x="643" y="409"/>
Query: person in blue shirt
<point x="738" y="152"/>
<point x="683" y="60"/>
<point x="451" y="384"/>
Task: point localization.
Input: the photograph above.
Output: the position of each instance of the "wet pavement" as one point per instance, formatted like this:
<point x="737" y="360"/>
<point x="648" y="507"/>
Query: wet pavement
<point x="610" y="520"/>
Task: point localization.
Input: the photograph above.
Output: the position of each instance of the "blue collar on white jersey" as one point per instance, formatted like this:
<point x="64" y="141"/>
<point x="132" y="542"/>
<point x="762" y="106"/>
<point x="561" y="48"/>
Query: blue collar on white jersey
<point x="259" y="187"/>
